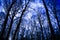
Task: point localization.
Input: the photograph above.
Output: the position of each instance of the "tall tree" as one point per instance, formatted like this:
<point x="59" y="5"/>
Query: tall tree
<point x="40" y="26"/>
<point x="20" y="20"/>
<point x="40" y="22"/>
<point x="55" y="14"/>
<point x="47" y="13"/>
<point x="14" y="13"/>
<point x="5" y="22"/>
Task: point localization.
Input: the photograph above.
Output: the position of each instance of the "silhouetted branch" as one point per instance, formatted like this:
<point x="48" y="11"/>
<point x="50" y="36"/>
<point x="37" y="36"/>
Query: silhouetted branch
<point x="6" y="19"/>
<point x="39" y="22"/>
<point x="40" y="26"/>
<point x="20" y="20"/>
<point x="47" y="13"/>
<point x="10" y="26"/>
<point x="55" y="13"/>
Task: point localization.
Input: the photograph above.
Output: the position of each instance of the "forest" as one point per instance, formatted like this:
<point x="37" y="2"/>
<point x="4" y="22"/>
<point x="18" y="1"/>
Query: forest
<point x="29" y="20"/>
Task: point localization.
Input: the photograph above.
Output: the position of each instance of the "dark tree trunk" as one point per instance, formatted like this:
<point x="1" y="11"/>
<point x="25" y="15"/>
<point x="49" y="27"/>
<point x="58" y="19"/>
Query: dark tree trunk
<point x="20" y="20"/>
<point x="47" y="13"/>
<point x="6" y="19"/>
<point x="10" y="26"/>
<point x="55" y="14"/>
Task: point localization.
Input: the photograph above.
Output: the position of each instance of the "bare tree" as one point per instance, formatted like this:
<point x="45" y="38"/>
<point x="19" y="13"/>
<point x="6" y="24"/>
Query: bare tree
<point x="53" y="36"/>
<point x="40" y="22"/>
<point x="14" y="13"/>
<point x="41" y="26"/>
<point x="5" y="22"/>
<point x="20" y="20"/>
<point x="47" y="13"/>
<point x="55" y="14"/>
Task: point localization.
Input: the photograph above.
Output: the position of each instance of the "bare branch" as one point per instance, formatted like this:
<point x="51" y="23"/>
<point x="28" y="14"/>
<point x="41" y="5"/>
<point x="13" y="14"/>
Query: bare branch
<point x="47" y="13"/>
<point x="20" y="20"/>
<point x="5" y="22"/>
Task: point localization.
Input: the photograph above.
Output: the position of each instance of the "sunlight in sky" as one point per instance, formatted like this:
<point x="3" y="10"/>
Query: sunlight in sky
<point x="28" y="16"/>
<point x="33" y="5"/>
<point x="14" y="17"/>
<point x="2" y="9"/>
<point x="37" y="1"/>
<point x="18" y="15"/>
<point x="36" y="5"/>
<point x="9" y="38"/>
<point x="29" y="27"/>
<point x="26" y="27"/>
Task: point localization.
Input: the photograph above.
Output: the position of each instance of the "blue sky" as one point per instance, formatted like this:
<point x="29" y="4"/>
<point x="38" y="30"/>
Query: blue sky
<point x="58" y="3"/>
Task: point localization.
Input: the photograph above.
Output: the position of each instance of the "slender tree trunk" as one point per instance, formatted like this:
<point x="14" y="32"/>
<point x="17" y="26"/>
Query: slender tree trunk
<point x="20" y="20"/>
<point x="11" y="23"/>
<point x="55" y="14"/>
<point x="47" y="13"/>
<point x="41" y="26"/>
<point x="5" y="22"/>
<point x="10" y="26"/>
